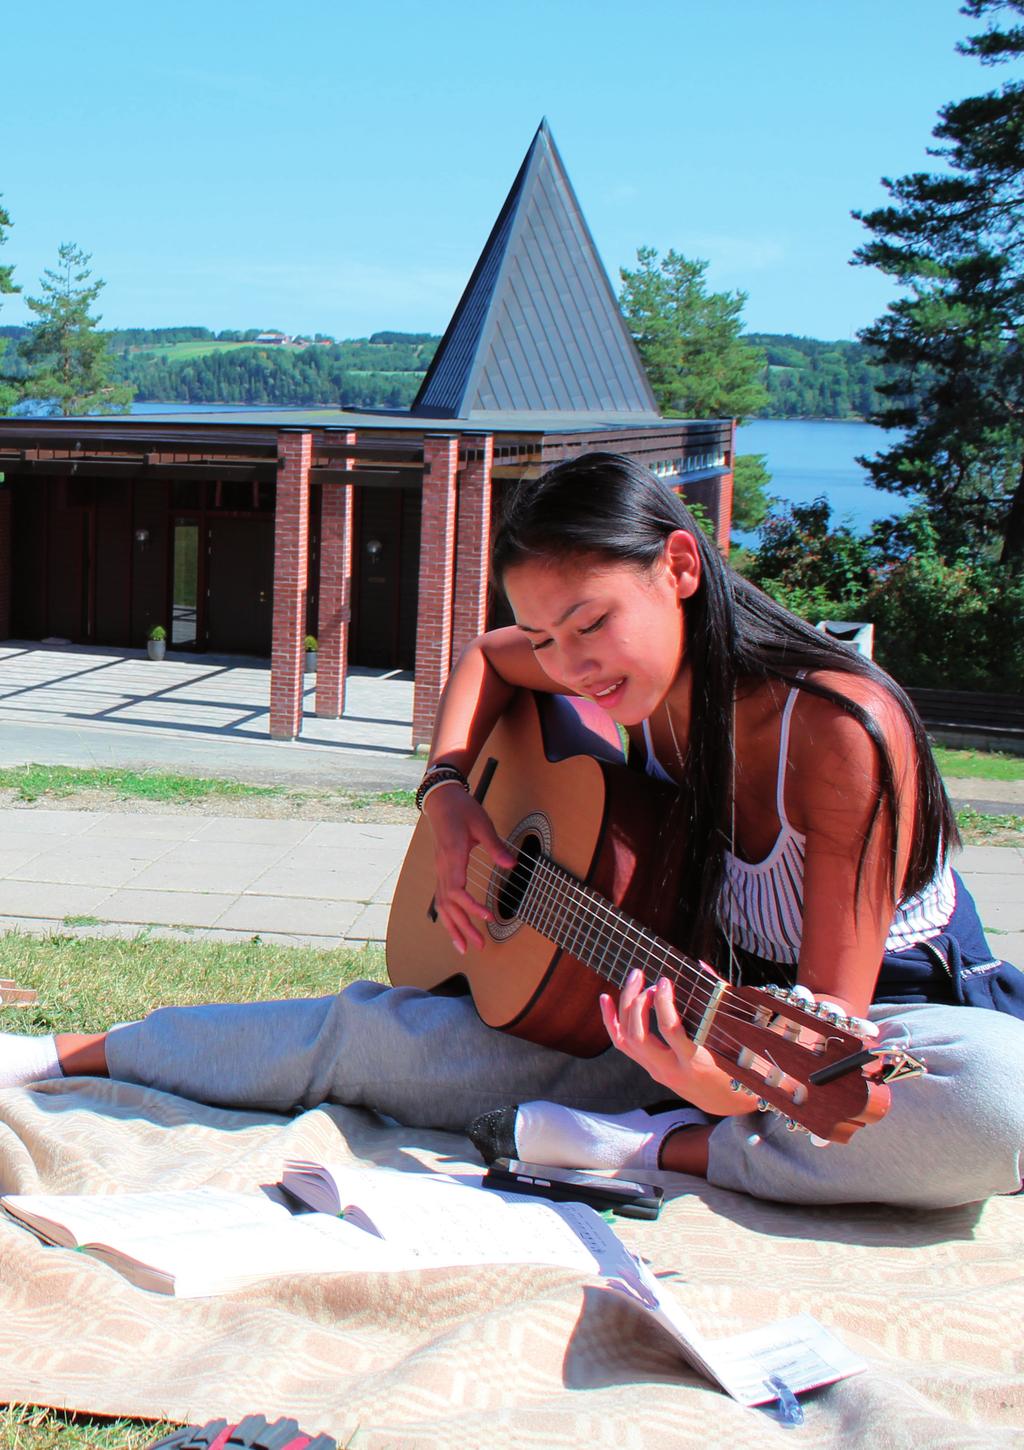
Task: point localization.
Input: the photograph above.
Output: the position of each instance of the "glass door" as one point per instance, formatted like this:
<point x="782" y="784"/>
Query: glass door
<point x="185" y="585"/>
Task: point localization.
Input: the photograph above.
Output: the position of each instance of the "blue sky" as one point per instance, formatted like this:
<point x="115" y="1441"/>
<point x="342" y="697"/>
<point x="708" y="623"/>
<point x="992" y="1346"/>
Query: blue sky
<point x="329" y="166"/>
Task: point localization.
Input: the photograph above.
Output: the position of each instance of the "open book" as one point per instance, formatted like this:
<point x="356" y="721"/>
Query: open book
<point x="800" y="1352"/>
<point x="204" y="1241"/>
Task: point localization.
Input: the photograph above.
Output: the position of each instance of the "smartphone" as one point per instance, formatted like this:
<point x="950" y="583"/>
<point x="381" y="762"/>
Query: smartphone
<point x="567" y="1185"/>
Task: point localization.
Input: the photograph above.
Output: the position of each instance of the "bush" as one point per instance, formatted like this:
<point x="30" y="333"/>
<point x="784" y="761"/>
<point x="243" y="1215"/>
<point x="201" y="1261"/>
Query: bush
<point x="956" y="626"/>
<point x="941" y="623"/>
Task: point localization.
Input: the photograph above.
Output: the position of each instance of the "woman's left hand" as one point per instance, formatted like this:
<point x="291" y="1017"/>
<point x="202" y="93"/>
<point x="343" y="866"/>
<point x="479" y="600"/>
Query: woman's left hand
<point x="673" y="1058"/>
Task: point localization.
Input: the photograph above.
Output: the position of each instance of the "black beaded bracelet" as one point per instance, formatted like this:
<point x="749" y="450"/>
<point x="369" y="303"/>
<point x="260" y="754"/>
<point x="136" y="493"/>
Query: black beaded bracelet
<point x="439" y="775"/>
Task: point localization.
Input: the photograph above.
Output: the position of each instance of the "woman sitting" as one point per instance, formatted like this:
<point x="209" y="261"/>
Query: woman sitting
<point x="816" y="856"/>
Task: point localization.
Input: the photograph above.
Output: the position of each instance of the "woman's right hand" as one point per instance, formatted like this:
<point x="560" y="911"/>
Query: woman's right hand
<point x="459" y="825"/>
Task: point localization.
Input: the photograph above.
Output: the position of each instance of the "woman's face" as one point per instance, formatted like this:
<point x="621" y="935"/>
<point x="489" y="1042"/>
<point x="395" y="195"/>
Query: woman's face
<point x="611" y="631"/>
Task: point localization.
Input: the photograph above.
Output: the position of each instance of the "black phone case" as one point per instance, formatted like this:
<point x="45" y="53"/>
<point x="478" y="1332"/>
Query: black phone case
<point x="597" y="1193"/>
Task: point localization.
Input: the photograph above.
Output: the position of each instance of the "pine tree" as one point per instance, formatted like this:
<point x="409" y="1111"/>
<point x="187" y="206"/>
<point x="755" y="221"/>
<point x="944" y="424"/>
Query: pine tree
<point x="698" y="363"/>
<point x="71" y="361"/>
<point x="954" y="242"/>
<point x="8" y="393"/>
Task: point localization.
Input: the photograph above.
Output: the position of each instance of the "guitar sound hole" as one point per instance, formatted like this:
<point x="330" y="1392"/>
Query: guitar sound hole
<point x="515" y="882"/>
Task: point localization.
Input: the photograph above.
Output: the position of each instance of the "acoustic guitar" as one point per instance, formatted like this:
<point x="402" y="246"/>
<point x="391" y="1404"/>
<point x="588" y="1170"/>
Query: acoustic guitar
<point x="592" y="895"/>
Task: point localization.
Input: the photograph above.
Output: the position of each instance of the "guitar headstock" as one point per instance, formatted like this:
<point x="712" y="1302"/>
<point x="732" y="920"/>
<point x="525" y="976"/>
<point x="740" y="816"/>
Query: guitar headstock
<point x="805" y="1062"/>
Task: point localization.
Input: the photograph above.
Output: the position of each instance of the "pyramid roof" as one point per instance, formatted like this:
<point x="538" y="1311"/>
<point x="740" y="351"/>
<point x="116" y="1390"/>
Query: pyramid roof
<point x="538" y="328"/>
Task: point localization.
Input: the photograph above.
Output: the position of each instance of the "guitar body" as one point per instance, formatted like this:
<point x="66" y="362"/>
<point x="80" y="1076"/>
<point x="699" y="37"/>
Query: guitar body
<point x="547" y="773"/>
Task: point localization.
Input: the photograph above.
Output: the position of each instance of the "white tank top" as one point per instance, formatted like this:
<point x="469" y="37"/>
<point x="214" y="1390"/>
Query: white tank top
<point x="762" y="902"/>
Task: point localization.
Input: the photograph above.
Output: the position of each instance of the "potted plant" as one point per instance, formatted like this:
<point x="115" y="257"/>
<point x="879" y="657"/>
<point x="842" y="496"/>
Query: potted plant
<point x="310" y="646"/>
<point x="156" y="644"/>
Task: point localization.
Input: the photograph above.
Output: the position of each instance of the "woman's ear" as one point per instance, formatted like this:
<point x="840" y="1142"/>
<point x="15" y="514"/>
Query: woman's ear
<point x="682" y="561"/>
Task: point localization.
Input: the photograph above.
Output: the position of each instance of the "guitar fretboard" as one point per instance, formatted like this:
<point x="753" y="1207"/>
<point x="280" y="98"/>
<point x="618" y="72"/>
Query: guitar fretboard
<point x="587" y="926"/>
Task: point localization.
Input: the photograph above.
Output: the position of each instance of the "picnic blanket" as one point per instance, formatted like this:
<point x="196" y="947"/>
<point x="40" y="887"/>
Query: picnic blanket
<point x="500" y="1356"/>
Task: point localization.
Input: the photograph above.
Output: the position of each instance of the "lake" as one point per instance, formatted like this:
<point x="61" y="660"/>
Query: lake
<point x="807" y="458"/>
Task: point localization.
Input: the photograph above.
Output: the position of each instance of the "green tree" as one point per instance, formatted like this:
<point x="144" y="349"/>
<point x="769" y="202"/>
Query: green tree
<point x="8" y="393"/>
<point x="954" y="243"/>
<point x="750" y="500"/>
<point x="690" y="339"/>
<point x="70" y="360"/>
<point x="699" y="365"/>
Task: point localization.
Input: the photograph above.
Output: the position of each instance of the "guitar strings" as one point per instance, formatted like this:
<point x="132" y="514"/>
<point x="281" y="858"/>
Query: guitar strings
<point x="558" y="891"/>
<point x="566" y="886"/>
<point x="700" y="989"/>
<point x="699" y="993"/>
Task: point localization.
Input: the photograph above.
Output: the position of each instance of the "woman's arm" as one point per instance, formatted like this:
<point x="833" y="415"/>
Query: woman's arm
<point x="850" y="889"/>
<point x="479" y="688"/>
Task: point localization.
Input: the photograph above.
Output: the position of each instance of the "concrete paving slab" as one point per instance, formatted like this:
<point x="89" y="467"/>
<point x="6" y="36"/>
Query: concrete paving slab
<point x="1001" y="916"/>
<point x="144" y="849"/>
<point x="254" y="857"/>
<point x="40" y="898"/>
<point x="356" y="881"/>
<point x="133" y="828"/>
<point x="1010" y="946"/>
<point x="22" y="822"/>
<point x="10" y="860"/>
<point x="371" y="924"/>
<point x="253" y="831"/>
<point x="297" y="914"/>
<point x="983" y="860"/>
<point x="71" y="868"/>
<point x="170" y="908"/>
<point x="181" y="875"/>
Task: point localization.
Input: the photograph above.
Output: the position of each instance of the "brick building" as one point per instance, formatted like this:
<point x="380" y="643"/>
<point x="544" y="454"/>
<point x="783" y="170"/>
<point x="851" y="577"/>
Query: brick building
<point x="241" y="532"/>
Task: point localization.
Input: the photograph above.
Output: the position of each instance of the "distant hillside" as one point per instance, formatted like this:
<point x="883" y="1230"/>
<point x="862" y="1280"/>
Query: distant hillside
<point x="254" y="367"/>
<point x="806" y="378"/>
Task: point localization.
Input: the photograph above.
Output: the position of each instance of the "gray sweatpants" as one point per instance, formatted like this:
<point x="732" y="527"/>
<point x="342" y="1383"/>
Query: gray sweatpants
<point x="953" y="1136"/>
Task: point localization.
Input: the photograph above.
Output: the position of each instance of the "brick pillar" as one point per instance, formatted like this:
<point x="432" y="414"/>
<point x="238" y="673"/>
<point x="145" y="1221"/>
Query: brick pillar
<point x="335" y="595"/>
<point x="291" y="562"/>
<point x="437" y="570"/>
<point x="5" y="561"/>
<point x="723" y="521"/>
<point x="473" y="547"/>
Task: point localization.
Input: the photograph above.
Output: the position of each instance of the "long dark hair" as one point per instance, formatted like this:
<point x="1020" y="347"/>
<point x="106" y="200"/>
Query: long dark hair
<point x="610" y="508"/>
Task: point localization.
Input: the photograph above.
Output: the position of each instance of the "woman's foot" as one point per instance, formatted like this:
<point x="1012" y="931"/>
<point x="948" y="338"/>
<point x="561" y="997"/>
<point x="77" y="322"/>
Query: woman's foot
<point x="25" y="1059"/>
<point x="543" y="1132"/>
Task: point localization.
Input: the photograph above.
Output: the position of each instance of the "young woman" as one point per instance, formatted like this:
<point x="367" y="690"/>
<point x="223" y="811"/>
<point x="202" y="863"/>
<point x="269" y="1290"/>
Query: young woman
<point x="816" y="854"/>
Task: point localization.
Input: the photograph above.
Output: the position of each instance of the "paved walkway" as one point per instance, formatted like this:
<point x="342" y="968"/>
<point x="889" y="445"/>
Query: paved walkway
<point x="107" y="873"/>
<point x="200" y="714"/>
<point x="295" y="882"/>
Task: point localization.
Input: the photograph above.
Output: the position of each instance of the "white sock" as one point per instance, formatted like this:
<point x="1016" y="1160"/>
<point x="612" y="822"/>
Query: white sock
<point x="27" y="1059"/>
<point x="567" y="1138"/>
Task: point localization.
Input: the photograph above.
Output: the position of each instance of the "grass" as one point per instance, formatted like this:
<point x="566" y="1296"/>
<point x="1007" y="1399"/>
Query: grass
<point x="978" y="828"/>
<point x="32" y="782"/>
<point x="85" y="985"/>
<point x="978" y="764"/>
<point x="25" y="1427"/>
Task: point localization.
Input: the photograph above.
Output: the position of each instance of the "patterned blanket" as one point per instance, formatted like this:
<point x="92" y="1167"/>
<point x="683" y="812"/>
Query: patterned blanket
<point x="519" y="1356"/>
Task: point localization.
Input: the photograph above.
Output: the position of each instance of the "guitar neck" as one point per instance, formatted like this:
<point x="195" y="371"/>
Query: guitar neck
<point x="586" y="925"/>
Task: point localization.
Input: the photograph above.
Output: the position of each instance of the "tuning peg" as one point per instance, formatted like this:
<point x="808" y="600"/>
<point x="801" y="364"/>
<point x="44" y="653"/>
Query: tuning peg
<point x="792" y="1125"/>
<point x="735" y="1085"/>
<point x="821" y="1142"/>
<point x="763" y="1106"/>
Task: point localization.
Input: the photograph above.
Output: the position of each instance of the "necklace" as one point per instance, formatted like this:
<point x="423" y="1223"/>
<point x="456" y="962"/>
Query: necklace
<point x="675" y="742"/>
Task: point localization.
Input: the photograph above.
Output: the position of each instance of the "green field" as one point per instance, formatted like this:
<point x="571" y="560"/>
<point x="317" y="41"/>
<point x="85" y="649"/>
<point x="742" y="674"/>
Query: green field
<point x="182" y="351"/>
